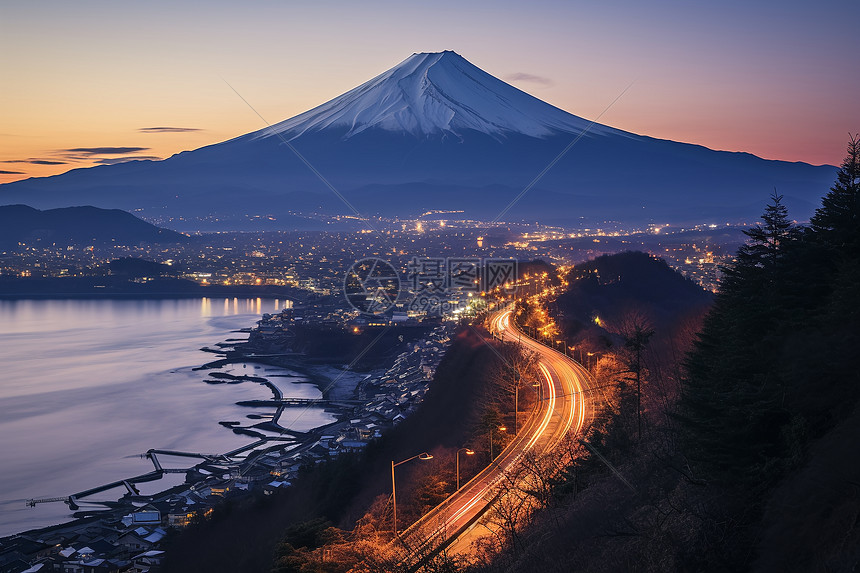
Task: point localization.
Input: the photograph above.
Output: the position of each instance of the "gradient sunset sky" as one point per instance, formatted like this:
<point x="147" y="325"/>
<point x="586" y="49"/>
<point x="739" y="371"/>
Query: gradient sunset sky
<point x="87" y="83"/>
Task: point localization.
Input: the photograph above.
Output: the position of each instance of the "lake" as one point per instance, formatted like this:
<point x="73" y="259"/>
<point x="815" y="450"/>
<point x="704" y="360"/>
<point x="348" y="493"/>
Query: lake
<point x="86" y="386"/>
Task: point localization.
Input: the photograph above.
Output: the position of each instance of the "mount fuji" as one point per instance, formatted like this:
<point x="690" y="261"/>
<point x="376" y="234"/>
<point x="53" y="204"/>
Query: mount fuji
<point x="435" y="132"/>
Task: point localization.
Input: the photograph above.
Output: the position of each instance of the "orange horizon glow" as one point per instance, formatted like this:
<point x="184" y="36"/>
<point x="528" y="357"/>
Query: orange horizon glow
<point x="731" y="78"/>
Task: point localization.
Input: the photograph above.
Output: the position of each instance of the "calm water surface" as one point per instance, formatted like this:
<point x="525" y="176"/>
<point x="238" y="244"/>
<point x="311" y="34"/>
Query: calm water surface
<point x="88" y="385"/>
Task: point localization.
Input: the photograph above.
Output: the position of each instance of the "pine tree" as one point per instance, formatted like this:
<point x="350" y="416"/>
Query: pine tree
<point x="837" y="222"/>
<point x="767" y="239"/>
<point x="774" y="365"/>
<point x="732" y="400"/>
<point x="757" y="261"/>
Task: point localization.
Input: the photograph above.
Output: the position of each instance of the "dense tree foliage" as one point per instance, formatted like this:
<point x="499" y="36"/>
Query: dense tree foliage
<point x="837" y="222"/>
<point x="773" y="367"/>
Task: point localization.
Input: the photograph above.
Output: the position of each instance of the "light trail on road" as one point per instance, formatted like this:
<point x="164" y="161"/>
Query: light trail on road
<point x="562" y="410"/>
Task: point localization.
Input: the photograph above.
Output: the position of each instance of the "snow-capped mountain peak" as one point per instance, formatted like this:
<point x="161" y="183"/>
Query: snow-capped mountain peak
<point x="434" y="93"/>
<point x="434" y="133"/>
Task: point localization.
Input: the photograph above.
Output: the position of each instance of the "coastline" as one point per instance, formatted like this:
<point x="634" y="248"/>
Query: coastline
<point x="264" y="442"/>
<point x="117" y="286"/>
<point x="123" y="345"/>
<point x="334" y="383"/>
<point x="271" y="455"/>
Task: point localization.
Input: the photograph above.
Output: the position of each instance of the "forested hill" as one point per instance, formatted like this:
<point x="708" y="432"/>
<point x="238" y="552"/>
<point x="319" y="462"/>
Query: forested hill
<point x="613" y="285"/>
<point x="769" y="410"/>
<point x="78" y="225"/>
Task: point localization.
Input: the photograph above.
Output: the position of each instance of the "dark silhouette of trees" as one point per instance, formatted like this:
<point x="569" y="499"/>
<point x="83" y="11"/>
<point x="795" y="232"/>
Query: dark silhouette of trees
<point x="732" y="402"/>
<point x="773" y="366"/>
<point x="837" y="222"/>
<point x="763" y="250"/>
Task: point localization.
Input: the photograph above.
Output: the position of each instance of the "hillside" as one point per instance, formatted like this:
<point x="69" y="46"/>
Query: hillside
<point x="342" y="490"/>
<point x="79" y="226"/>
<point x="612" y="288"/>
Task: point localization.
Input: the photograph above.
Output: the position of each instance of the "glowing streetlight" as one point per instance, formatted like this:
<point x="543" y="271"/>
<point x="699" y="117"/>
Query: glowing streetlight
<point x="539" y="391"/>
<point x="424" y="456"/>
<point x="469" y="452"/>
<point x="501" y="429"/>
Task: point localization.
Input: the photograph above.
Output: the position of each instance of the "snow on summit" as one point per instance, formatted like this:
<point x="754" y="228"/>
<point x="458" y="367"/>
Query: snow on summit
<point x="434" y="93"/>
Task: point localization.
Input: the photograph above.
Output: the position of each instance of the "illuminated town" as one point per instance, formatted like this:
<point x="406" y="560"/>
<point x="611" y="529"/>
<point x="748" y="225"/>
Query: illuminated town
<point x="314" y="261"/>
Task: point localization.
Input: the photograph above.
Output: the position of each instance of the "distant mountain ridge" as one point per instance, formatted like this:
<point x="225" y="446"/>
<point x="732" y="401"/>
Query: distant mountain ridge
<point x="436" y="133"/>
<point x="78" y="225"/>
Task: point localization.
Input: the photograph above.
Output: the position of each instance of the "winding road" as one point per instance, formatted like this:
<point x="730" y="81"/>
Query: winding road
<point x="564" y="408"/>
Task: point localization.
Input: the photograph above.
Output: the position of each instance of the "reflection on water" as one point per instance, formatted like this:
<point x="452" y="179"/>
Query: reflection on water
<point x="87" y="385"/>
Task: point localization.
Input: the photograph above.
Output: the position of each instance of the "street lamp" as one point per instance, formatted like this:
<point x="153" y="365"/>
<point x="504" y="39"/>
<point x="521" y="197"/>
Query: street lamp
<point x="424" y="456"/>
<point x="539" y="393"/>
<point x="501" y="429"/>
<point x="469" y="452"/>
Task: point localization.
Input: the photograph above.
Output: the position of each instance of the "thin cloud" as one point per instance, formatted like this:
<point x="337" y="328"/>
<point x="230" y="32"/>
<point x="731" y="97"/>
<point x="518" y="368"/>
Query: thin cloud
<point x="35" y="161"/>
<point x="104" y="150"/>
<point x="168" y="129"/>
<point x="115" y="160"/>
<point x="524" y="77"/>
<point x="2" y="172"/>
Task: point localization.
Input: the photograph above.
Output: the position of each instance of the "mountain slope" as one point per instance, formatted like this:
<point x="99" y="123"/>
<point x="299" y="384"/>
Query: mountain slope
<point x="436" y="132"/>
<point x="431" y="94"/>
<point x="78" y="225"/>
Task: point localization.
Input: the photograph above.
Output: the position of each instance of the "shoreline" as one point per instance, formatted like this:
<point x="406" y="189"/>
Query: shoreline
<point x="270" y="449"/>
<point x="113" y="286"/>
<point x="158" y="295"/>
<point x="264" y="442"/>
<point x="334" y="383"/>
